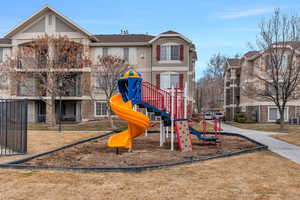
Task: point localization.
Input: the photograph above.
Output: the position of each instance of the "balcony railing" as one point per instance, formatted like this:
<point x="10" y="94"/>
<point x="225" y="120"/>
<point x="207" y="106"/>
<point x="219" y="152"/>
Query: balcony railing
<point x="33" y="87"/>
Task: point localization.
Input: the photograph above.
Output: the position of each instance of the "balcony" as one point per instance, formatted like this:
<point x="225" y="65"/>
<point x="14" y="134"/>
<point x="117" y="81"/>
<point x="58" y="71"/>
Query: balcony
<point x="236" y="91"/>
<point x="71" y="87"/>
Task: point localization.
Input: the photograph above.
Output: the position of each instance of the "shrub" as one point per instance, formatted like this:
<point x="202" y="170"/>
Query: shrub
<point x="240" y="118"/>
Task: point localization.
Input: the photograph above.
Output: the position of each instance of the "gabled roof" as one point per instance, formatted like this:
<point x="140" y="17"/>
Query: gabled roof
<point x="233" y="61"/>
<point x="292" y="44"/>
<point x="171" y="33"/>
<point x="250" y="54"/>
<point x="118" y="38"/>
<point x="38" y="14"/>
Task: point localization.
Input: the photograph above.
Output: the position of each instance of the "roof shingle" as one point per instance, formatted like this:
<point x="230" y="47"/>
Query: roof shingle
<point x="233" y="61"/>
<point x="115" y="38"/>
<point x="5" y="41"/>
<point x="250" y="54"/>
<point x="169" y="32"/>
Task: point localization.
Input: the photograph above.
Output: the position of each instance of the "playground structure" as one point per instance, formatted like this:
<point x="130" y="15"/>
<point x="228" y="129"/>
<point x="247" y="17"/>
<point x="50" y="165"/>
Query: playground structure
<point x="202" y="135"/>
<point x="122" y="105"/>
<point x="171" y="105"/>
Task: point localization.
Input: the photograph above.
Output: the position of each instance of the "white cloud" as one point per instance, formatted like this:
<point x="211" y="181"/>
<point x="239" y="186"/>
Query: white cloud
<point x="245" y="13"/>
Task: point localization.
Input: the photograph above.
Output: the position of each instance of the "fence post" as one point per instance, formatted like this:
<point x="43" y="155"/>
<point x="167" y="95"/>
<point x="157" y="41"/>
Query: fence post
<point x="161" y="133"/>
<point x="25" y="128"/>
<point x="6" y="129"/>
<point x="146" y="131"/>
<point x="185" y="100"/>
<point x="172" y="119"/>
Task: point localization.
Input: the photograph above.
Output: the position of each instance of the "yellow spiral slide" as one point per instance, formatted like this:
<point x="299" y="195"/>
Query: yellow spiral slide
<point x="137" y="123"/>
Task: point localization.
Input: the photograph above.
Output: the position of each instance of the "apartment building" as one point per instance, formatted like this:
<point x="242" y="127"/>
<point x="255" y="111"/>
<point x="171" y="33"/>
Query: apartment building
<point x="166" y="60"/>
<point x="241" y="72"/>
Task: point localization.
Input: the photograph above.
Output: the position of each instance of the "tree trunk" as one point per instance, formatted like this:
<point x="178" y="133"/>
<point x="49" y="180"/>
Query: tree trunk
<point x="112" y="125"/>
<point x="281" y="112"/>
<point x="53" y="119"/>
<point x="50" y="112"/>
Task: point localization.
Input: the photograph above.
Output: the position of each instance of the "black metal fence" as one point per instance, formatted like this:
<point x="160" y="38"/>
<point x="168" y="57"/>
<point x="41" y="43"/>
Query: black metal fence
<point x="13" y="127"/>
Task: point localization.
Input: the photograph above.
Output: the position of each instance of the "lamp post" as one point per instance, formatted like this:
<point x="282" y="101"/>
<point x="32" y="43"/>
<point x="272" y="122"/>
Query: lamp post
<point x="60" y="91"/>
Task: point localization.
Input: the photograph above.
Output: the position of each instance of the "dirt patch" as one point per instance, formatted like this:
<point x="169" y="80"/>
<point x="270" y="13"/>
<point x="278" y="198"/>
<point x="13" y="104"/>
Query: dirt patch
<point x="146" y="152"/>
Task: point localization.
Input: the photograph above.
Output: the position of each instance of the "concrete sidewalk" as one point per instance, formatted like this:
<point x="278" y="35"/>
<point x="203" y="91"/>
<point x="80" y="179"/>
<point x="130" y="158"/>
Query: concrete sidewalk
<point x="289" y="151"/>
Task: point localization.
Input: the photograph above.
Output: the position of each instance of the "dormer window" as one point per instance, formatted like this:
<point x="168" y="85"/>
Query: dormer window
<point x="169" y="52"/>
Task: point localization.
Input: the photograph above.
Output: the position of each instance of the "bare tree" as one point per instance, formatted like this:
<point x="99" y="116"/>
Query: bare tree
<point x="45" y="68"/>
<point x="278" y="79"/>
<point x="106" y="73"/>
<point x="215" y="66"/>
<point x="199" y="96"/>
<point x="209" y="90"/>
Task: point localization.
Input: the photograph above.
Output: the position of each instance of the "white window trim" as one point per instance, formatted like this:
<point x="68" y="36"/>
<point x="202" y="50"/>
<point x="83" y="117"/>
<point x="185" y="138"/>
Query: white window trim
<point x="287" y="112"/>
<point x="170" y="61"/>
<point x="170" y="43"/>
<point x="169" y="73"/>
<point x="95" y="109"/>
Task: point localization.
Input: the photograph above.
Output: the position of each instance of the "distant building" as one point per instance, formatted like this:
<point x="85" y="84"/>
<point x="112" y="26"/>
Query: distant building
<point x="239" y="73"/>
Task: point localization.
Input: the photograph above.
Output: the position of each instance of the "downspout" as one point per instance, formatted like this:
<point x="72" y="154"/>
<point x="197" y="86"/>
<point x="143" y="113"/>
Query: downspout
<point x="233" y="105"/>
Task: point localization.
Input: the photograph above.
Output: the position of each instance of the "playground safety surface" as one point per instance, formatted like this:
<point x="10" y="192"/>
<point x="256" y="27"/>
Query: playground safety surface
<point x="146" y="152"/>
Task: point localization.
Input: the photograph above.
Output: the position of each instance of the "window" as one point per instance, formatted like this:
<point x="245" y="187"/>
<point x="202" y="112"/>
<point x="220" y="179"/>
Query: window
<point x="270" y="88"/>
<point x="273" y="114"/>
<point x="286" y="61"/>
<point x="27" y="87"/>
<point x="3" y="81"/>
<point x="169" y="80"/>
<point x="101" y="109"/>
<point x="105" y="51"/>
<point x="42" y="58"/>
<point x="170" y="52"/>
<point x="1" y="54"/>
<point x="99" y="82"/>
<point x="267" y="62"/>
<point x="126" y="54"/>
<point x="102" y="82"/>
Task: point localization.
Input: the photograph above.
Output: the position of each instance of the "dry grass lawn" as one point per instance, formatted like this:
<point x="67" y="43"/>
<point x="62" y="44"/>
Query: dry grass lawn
<point x="42" y="141"/>
<point x="85" y="126"/>
<point x="293" y="131"/>
<point x="260" y="176"/>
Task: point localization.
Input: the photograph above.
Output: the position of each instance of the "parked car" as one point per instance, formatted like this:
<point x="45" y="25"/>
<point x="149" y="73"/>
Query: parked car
<point x="208" y="116"/>
<point x="218" y="115"/>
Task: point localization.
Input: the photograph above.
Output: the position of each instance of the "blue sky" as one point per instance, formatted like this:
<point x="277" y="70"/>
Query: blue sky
<point x="224" y="26"/>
